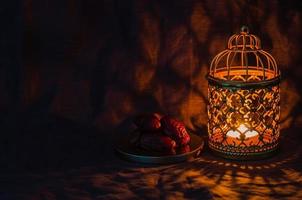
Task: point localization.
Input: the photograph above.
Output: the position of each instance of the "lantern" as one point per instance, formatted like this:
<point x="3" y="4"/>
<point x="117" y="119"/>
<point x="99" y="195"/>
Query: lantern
<point x="244" y="100"/>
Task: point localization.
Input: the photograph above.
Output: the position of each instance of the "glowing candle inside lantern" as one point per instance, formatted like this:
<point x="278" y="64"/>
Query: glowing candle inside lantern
<point x="242" y="129"/>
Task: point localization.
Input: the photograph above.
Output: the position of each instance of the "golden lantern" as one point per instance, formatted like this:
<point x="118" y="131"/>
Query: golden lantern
<point x="244" y="100"/>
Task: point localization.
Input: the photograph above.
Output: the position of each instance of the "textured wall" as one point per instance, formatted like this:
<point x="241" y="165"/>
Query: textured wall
<point x="99" y="62"/>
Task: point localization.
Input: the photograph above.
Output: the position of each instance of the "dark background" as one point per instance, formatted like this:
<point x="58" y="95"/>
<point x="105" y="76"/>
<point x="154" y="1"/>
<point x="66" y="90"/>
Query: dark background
<point x="73" y="71"/>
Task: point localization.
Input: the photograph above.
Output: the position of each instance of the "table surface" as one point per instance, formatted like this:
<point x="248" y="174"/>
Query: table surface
<point x="207" y="177"/>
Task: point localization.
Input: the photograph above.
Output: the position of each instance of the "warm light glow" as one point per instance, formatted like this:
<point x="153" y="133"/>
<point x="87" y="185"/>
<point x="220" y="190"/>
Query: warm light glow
<point x="244" y="99"/>
<point x="233" y="134"/>
<point x="242" y="129"/>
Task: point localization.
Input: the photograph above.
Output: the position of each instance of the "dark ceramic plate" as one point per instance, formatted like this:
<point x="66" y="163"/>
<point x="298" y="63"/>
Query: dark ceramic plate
<point x="127" y="150"/>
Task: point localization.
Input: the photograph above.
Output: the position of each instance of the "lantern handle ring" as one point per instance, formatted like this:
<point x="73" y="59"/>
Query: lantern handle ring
<point x="245" y="29"/>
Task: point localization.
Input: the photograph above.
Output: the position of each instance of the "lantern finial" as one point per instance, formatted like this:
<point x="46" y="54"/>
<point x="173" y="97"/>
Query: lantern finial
<point x="245" y="29"/>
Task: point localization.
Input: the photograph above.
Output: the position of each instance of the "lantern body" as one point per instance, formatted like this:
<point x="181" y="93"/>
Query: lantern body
<point x="244" y="100"/>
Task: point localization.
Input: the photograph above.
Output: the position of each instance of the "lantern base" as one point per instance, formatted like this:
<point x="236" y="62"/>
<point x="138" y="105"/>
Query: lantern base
<point x="246" y="156"/>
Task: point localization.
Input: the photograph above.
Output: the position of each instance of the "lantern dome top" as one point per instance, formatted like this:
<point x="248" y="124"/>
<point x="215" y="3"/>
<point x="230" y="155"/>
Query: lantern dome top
<point x="243" y="61"/>
<point x="244" y="40"/>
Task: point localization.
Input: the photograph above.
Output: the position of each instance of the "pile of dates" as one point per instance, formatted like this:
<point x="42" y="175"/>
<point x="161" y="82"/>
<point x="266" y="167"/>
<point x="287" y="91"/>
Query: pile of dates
<point x="161" y="134"/>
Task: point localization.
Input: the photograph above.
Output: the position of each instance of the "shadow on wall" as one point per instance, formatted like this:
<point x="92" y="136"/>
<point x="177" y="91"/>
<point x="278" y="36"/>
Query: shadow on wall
<point x="108" y="60"/>
<point x="95" y="63"/>
<point x="159" y="52"/>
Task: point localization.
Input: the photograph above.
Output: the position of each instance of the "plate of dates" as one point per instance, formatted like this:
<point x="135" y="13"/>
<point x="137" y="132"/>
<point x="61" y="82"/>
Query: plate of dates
<point x="158" y="139"/>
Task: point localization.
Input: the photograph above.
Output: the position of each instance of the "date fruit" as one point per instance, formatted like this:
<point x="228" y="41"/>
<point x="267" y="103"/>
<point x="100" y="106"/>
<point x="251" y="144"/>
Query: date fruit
<point x="148" y="122"/>
<point x="176" y="130"/>
<point x="159" y="143"/>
